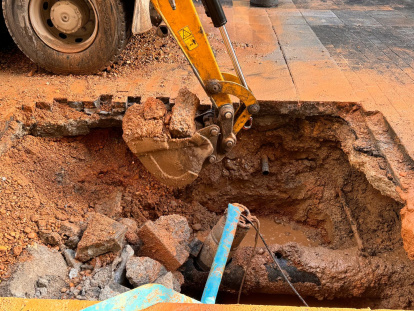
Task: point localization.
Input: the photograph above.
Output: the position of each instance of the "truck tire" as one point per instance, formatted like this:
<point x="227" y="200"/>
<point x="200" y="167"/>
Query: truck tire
<point x="69" y="36"/>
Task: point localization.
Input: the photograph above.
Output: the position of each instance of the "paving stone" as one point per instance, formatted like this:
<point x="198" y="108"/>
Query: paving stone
<point x="375" y="51"/>
<point x="356" y="18"/>
<point x="318" y="13"/>
<point x="318" y="20"/>
<point x="102" y="235"/>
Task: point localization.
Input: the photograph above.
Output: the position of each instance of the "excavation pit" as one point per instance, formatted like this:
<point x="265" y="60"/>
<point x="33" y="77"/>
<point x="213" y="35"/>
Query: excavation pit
<point x="329" y="206"/>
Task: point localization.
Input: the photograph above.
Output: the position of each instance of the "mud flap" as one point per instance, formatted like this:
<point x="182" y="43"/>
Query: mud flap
<point x="176" y="162"/>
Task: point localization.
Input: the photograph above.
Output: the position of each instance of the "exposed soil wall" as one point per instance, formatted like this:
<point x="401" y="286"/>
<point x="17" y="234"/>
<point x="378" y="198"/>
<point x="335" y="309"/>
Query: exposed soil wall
<point x="331" y="176"/>
<point x="310" y="181"/>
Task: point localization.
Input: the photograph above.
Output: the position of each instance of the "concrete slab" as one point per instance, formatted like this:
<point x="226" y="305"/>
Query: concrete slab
<point x="391" y="18"/>
<point x="356" y="18"/>
<point x="318" y="13"/>
<point x="287" y="20"/>
<point x="315" y="74"/>
<point x="319" y="20"/>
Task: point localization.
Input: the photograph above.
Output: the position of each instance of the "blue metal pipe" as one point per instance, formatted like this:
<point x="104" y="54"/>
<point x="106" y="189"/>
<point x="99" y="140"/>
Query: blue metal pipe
<point x="220" y="259"/>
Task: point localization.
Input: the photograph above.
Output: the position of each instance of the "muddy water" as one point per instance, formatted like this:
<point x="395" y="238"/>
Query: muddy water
<point x="275" y="233"/>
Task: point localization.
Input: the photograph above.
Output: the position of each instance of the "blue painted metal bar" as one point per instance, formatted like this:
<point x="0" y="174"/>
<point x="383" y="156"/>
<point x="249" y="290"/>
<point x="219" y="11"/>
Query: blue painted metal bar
<point x="220" y="259"/>
<point x="141" y="298"/>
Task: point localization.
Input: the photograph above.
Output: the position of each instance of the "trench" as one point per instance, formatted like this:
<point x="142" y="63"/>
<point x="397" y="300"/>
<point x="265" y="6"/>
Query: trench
<point x="334" y="227"/>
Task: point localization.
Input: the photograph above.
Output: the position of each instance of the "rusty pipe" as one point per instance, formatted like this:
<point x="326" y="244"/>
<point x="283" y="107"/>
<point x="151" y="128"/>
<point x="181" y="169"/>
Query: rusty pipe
<point x="265" y="165"/>
<point x="162" y="31"/>
<point x="318" y="272"/>
<point x="206" y="256"/>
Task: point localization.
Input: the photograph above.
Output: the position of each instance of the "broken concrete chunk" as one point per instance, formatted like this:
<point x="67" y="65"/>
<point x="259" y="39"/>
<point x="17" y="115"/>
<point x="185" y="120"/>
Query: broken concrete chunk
<point x="119" y="264"/>
<point x="72" y="242"/>
<point x="195" y="247"/>
<point x="132" y="233"/>
<point x="178" y="280"/>
<point x="49" y="286"/>
<point x="42" y="263"/>
<point x="154" y="109"/>
<point x="102" y="235"/>
<point x="101" y="277"/>
<point x="182" y="123"/>
<point x="166" y="240"/>
<point x="171" y="280"/>
<point x="73" y="273"/>
<point x="135" y="127"/>
<point x="69" y="255"/>
<point x="110" y="204"/>
<point x="167" y="280"/>
<point x="111" y="290"/>
<point x="50" y="238"/>
<point x="90" y="292"/>
<point x="69" y="229"/>
<point x="178" y="227"/>
<point x="143" y="270"/>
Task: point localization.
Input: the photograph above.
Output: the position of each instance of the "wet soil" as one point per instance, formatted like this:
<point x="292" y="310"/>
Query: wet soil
<point x="274" y="231"/>
<point x="308" y="173"/>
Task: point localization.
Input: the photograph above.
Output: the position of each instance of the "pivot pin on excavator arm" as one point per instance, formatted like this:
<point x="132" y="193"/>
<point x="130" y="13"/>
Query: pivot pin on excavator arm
<point x="178" y="162"/>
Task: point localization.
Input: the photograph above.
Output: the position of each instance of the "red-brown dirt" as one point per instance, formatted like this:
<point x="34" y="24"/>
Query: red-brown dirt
<point x="61" y="179"/>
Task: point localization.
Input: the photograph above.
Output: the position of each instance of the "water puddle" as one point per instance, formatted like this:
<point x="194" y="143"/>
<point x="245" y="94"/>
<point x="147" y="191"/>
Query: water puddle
<point x="274" y="233"/>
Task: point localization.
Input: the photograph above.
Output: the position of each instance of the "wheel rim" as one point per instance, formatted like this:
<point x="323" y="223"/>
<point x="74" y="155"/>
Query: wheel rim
<point x="68" y="26"/>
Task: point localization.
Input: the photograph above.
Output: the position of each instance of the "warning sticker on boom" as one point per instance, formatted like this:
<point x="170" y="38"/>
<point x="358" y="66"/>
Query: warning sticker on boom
<point x="188" y="38"/>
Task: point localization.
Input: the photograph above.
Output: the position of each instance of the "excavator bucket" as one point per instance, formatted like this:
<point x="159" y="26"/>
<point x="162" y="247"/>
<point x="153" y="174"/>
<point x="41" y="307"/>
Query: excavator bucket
<point x="151" y="132"/>
<point x="176" y="162"/>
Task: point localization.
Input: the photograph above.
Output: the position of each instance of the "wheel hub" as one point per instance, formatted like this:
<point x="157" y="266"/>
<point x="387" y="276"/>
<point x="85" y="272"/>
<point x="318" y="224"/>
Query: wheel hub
<point x="69" y="16"/>
<point x="68" y="26"/>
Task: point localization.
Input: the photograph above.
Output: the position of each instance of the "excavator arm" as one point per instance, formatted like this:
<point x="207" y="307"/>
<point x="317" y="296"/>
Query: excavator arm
<point x="179" y="161"/>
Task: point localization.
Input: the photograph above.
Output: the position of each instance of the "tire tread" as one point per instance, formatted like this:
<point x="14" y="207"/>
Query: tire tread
<point x="125" y="35"/>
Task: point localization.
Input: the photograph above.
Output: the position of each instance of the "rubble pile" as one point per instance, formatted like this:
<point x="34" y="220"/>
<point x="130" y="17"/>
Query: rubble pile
<point x="102" y="257"/>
